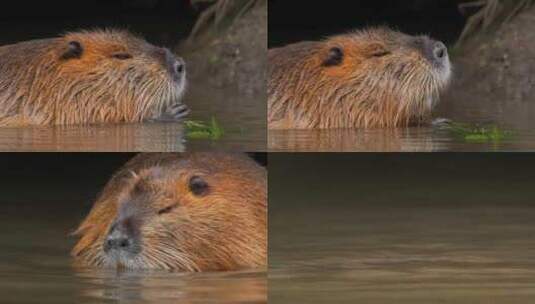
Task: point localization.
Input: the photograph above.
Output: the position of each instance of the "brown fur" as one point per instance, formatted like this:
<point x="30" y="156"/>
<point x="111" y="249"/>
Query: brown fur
<point x="40" y="87"/>
<point x="364" y="91"/>
<point x="223" y="230"/>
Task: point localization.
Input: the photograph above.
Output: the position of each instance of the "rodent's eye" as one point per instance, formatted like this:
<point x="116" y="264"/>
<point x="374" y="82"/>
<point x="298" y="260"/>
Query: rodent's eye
<point x="74" y="50"/>
<point x="335" y="56"/>
<point x="167" y="209"/>
<point x="198" y="186"/>
<point x="121" y="56"/>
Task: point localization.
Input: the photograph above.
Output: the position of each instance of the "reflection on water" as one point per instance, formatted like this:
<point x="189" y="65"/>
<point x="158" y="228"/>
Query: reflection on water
<point x="405" y="255"/>
<point x="389" y="229"/>
<point x="124" y="137"/>
<point x="35" y="265"/>
<point x="242" y="118"/>
<point x="62" y="284"/>
<point x="237" y="287"/>
<point x="422" y="139"/>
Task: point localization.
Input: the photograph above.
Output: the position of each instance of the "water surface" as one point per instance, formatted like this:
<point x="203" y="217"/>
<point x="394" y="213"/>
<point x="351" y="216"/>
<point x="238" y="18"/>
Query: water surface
<point x="417" y="139"/>
<point x="405" y="255"/>
<point x="406" y="229"/>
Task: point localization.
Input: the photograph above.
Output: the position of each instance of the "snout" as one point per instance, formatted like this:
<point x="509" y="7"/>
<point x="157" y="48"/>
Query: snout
<point x="175" y="65"/>
<point x="440" y="52"/>
<point x="436" y="52"/>
<point x="121" y="237"/>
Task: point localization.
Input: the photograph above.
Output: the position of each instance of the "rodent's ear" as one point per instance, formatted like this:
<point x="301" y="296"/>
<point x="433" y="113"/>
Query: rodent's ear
<point x="335" y="56"/>
<point x="143" y="180"/>
<point x="74" y="50"/>
<point x="198" y="186"/>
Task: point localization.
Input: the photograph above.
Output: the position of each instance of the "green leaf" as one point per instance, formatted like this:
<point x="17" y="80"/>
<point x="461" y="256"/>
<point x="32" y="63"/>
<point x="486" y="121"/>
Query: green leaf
<point x="477" y="133"/>
<point x="196" y="129"/>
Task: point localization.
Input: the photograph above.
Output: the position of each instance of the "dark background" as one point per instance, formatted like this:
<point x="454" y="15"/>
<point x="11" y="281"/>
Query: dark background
<point x="349" y="181"/>
<point x="162" y="22"/>
<point x="62" y="180"/>
<point x="71" y="165"/>
<point x="297" y="20"/>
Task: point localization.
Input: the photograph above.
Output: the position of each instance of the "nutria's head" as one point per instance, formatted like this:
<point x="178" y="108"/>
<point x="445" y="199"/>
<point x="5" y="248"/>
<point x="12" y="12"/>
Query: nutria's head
<point x="197" y="213"/>
<point x="90" y="77"/>
<point x="371" y="78"/>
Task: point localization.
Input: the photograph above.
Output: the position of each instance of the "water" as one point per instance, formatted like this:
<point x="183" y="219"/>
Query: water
<point x="243" y="119"/>
<point x="40" y="210"/>
<point x="450" y="228"/>
<point x="405" y="255"/>
<point x="51" y="280"/>
<point x="60" y="284"/>
<point x="421" y="139"/>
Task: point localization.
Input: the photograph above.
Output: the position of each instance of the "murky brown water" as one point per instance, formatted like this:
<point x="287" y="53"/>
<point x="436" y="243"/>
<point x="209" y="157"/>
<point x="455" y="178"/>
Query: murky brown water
<point x="242" y="118"/>
<point x="376" y="229"/>
<point x="405" y="255"/>
<point x="423" y="139"/>
<point x="51" y="280"/>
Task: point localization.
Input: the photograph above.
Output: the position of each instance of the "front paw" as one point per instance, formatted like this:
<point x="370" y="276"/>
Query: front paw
<point x="441" y="122"/>
<point x="177" y="111"/>
<point x="174" y="112"/>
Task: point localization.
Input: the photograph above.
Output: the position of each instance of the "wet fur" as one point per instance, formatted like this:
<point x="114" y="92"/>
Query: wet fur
<point x="362" y="92"/>
<point x="223" y="230"/>
<point x="39" y="87"/>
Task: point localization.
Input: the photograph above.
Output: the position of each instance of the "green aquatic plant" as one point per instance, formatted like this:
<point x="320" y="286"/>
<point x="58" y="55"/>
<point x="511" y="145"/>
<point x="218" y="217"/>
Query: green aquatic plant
<point x="478" y="133"/>
<point x="196" y="129"/>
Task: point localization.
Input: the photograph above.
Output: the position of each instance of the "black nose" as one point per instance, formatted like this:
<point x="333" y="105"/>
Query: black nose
<point x="176" y="65"/>
<point x="439" y="50"/>
<point x="118" y="242"/>
<point x="119" y="237"/>
<point x="180" y="66"/>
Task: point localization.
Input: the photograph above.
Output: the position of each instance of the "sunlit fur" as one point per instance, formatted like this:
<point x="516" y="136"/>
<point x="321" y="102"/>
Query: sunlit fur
<point x="225" y="229"/>
<point x="38" y="87"/>
<point x="364" y="91"/>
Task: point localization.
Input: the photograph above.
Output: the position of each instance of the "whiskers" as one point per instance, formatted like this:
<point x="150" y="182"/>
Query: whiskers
<point x="166" y="256"/>
<point x="161" y="256"/>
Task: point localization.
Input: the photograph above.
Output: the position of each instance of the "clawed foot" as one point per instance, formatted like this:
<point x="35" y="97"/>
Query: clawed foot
<point x="177" y="111"/>
<point x="441" y="122"/>
<point x="174" y="112"/>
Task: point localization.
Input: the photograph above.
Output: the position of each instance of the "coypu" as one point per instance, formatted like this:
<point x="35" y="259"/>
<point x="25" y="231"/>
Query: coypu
<point x="365" y="79"/>
<point x="194" y="212"/>
<point x="105" y="76"/>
